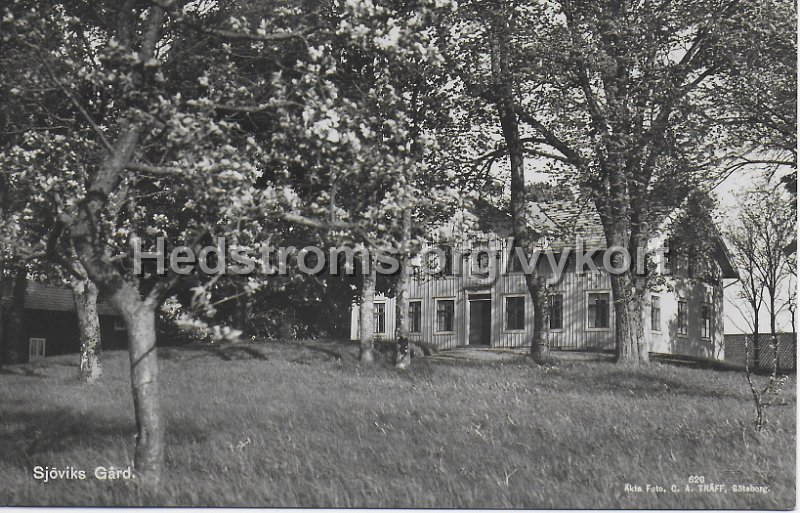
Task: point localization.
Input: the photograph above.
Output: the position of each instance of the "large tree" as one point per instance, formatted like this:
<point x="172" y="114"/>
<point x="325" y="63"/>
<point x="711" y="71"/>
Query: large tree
<point x="263" y="133"/>
<point x="481" y="49"/>
<point x="618" y="92"/>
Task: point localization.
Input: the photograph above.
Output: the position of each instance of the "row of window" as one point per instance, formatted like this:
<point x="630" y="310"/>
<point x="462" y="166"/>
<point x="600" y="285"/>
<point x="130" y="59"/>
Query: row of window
<point x="598" y="314"/>
<point x="706" y="316"/>
<point x="445" y="315"/>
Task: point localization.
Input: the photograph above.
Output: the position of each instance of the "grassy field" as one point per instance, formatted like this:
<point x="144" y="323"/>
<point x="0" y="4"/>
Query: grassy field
<point x="307" y="428"/>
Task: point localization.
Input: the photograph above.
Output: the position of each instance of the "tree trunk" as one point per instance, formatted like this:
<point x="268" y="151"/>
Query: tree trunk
<point x="756" y="345"/>
<point x="540" y="345"/>
<point x="2" y="318"/>
<point x="85" y="294"/>
<point x="403" y="356"/>
<point x="366" y="326"/>
<point x="90" y="247"/>
<point x="631" y="345"/>
<point x="17" y="350"/>
<point x="403" y="353"/>
<point x="773" y="329"/>
<point x="523" y="235"/>
<point x="149" y="455"/>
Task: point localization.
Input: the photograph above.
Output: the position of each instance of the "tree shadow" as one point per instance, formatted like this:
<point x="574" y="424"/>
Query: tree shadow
<point x="56" y="430"/>
<point x="688" y="340"/>
<point x="24" y="370"/>
<point x="33" y="433"/>
<point x="640" y="384"/>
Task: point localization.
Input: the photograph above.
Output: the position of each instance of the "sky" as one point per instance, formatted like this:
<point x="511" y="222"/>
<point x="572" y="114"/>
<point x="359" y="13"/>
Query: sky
<point x="735" y="322"/>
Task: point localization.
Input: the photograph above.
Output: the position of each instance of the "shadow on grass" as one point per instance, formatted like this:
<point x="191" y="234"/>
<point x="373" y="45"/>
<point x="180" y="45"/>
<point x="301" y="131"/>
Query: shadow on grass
<point x="644" y="384"/>
<point x="55" y="430"/>
<point x="716" y="365"/>
<point x="24" y="370"/>
<point x="28" y="435"/>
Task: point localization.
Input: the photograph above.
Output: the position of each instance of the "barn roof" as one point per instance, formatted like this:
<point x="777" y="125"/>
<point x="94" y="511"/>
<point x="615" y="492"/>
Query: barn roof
<point x="52" y="298"/>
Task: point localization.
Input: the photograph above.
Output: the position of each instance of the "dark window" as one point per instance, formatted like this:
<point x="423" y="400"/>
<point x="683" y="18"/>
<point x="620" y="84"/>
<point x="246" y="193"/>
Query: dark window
<point x="515" y="313"/>
<point x="415" y="316"/>
<point x="683" y="318"/>
<point x="706" y="328"/>
<point x="556" y="312"/>
<point x="444" y="314"/>
<point x="380" y="318"/>
<point x="598" y="310"/>
<point x="655" y="313"/>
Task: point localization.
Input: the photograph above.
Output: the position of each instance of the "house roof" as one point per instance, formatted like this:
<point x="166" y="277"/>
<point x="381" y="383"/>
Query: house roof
<point x="51" y="298"/>
<point x="561" y="222"/>
<point x="565" y="223"/>
<point x="572" y="221"/>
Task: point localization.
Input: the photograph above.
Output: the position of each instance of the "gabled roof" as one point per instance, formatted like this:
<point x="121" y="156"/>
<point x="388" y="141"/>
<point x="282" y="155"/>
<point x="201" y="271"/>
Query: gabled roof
<point x="559" y="222"/>
<point x="572" y="221"/>
<point x="52" y="298"/>
<point x="565" y="223"/>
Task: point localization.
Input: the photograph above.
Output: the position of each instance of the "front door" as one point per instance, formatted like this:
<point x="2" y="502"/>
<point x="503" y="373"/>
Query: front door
<point x="480" y="322"/>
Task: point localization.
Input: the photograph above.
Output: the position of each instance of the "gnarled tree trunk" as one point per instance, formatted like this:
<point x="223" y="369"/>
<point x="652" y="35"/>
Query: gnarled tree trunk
<point x="85" y="294"/>
<point x="149" y="456"/>
<point x="16" y="349"/>
<point x="629" y="299"/>
<point x="90" y="247"/>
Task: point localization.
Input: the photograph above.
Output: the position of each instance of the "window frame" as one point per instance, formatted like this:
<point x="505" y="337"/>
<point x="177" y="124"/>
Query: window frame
<point x="448" y="265"/>
<point x="607" y="292"/>
<point x="31" y="356"/>
<point x="657" y="298"/>
<point x="411" y="318"/>
<point x="550" y="312"/>
<point x="452" y="316"/>
<point x="682" y="317"/>
<point x="506" y="297"/>
<point x="706" y="307"/>
<point x="375" y="318"/>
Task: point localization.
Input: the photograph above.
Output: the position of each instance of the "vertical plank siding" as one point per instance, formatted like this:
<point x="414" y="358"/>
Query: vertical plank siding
<point x="574" y="288"/>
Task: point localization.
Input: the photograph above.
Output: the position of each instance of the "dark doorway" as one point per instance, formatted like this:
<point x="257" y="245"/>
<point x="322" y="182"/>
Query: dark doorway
<point x="480" y="322"/>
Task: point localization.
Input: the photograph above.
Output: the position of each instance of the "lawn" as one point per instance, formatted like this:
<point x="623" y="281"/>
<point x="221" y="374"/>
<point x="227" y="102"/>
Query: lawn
<point x="308" y="426"/>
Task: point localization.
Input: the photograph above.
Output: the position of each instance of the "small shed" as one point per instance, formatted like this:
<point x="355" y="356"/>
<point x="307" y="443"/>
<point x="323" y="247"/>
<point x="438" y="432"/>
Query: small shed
<point x="50" y="324"/>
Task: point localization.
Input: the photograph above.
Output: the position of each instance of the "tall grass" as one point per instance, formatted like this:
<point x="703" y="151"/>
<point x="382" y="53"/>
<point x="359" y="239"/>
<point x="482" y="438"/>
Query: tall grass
<point x="304" y="428"/>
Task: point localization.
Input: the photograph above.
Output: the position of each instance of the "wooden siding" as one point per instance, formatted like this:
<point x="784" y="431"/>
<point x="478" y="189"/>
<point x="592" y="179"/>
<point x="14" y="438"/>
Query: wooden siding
<point x="51" y="298"/>
<point x="574" y="289"/>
